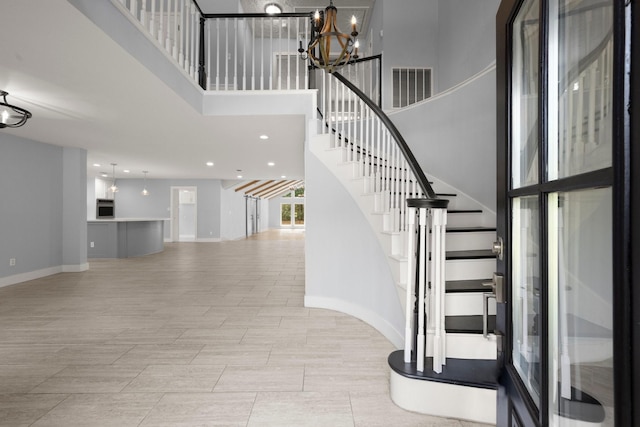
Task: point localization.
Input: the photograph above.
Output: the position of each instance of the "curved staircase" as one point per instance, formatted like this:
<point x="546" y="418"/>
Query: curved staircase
<point x="464" y="383"/>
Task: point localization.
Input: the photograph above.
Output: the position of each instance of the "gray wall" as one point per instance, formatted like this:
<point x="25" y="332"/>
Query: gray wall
<point x="410" y="39"/>
<point x="221" y="213"/>
<point x="346" y="269"/>
<point x="466" y="39"/>
<point x="131" y="204"/>
<point x="74" y="226"/>
<point x="42" y="192"/>
<point x="455" y="138"/>
<point x="233" y="223"/>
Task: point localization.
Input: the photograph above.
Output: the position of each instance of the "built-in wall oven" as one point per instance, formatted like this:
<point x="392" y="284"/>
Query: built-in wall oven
<point x="105" y="208"/>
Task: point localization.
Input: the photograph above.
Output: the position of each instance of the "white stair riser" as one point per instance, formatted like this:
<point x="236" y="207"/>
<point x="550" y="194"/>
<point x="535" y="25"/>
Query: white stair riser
<point x="457" y="304"/>
<point x="455" y="269"/>
<point x="466" y="304"/>
<point x="457" y="241"/>
<point x="443" y="400"/>
<point x="463" y="219"/>
<point x="471" y="346"/>
<point x="469" y="269"/>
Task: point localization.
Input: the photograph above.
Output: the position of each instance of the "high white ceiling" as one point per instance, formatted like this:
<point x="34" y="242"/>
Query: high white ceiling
<point x="85" y="91"/>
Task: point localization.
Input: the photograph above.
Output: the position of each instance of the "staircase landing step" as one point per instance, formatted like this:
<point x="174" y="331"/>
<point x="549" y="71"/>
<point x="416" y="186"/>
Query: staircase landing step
<point x="466" y="372"/>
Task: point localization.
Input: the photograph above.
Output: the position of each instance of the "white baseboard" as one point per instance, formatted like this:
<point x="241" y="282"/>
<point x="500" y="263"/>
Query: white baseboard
<point x="31" y="275"/>
<point x="381" y="325"/>
<point x="37" y="274"/>
<point x="75" y="268"/>
<point x="198" y="240"/>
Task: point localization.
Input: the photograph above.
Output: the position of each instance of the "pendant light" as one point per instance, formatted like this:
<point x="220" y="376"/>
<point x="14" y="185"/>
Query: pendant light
<point x="10" y="115"/>
<point x="114" y="188"/>
<point x="145" y="192"/>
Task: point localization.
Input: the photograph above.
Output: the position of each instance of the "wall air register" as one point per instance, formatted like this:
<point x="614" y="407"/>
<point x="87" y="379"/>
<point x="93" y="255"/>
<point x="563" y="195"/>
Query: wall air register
<point x="105" y="208"/>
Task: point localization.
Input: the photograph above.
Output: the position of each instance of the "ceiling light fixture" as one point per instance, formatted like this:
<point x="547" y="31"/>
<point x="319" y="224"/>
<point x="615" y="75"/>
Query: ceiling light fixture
<point x="273" y="9"/>
<point x="271" y="164"/>
<point x="114" y="188"/>
<point x="264" y="137"/>
<point x="209" y="164"/>
<point x="10" y="115"/>
<point x="145" y="192"/>
<point x="325" y="33"/>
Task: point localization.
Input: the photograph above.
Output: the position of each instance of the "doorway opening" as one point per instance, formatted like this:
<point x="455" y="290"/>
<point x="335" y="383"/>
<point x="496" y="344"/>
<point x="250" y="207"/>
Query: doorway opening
<point x="184" y="214"/>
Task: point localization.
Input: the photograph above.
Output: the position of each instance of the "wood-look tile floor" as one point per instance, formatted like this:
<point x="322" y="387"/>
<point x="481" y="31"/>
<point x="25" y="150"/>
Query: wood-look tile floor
<point x="201" y="334"/>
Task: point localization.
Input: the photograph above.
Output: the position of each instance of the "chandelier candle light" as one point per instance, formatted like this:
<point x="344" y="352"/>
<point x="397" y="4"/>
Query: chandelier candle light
<point x="326" y="32"/>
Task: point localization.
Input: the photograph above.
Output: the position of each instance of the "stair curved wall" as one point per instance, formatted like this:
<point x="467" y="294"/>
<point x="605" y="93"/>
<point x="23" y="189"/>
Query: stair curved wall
<point x="460" y="125"/>
<point x="346" y="268"/>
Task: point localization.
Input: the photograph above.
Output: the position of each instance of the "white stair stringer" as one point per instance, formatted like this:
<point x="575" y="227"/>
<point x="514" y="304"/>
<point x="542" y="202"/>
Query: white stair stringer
<point x="443" y="399"/>
<point x="370" y="203"/>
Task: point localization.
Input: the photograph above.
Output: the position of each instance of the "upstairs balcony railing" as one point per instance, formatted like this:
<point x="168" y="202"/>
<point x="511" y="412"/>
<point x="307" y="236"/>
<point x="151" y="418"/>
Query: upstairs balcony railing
<point x="224" y="52"/>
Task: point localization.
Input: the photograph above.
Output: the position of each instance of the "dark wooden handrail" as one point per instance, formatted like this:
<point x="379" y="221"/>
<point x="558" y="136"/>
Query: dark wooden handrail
<point x="395" y="133"/>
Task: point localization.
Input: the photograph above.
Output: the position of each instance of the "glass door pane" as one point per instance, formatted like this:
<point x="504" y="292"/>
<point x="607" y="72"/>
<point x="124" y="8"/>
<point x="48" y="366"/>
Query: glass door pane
<point x="525" y="285"/>
<point x="524" y="95"/>
<point x="580" y="87"/>
<point x="581" y="307"/>
<point x="299" y="214"/>
<point x="285" y="214"/>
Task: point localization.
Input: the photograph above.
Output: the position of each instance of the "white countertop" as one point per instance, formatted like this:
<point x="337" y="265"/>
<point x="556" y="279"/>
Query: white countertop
<point x="128" y="219"/>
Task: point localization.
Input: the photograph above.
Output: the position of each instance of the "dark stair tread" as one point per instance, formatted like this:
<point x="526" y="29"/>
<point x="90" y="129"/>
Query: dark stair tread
<point x="478" y="373"/>
<point x="470" y="254"/>
<point x="471" y="324"/>
<point x="455" y="211"/>
<point x="446" y="195"/>
<point x="460" y="286"/>
<point x="469" y="229"/>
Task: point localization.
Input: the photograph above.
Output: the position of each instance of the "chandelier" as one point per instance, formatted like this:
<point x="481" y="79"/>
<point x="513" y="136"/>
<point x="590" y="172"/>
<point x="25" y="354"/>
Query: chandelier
<point x="325" y="34"/>
<point x="10" y="115"/>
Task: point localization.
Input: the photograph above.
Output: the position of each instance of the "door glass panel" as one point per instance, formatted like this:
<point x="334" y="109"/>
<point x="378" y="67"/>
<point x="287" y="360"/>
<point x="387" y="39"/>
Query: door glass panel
<point x="299" y="213"/>
<point x="524" y="106"/>
<point x="581" y="307"/>
<point x="525" y="282"/>
<point x="285" y="214"/>
<point x="580" y="87"/>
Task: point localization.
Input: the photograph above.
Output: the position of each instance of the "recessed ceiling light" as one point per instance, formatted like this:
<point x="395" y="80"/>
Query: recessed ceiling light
<point x="264" y="137"/>
<point x="283" y="176"/>
<point x="271" y="164"/>
<point x="126" y="171"/>
<point x="239" y="176"/>
<point x="104" y="174"/>
<point x="272" y="9"/>
<point x="96" y="165"/>
<point x="209" y="164"/>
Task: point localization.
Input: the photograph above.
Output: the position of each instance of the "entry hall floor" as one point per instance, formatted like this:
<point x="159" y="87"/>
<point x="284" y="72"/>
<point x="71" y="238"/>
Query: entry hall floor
<point x="200" y="334"/>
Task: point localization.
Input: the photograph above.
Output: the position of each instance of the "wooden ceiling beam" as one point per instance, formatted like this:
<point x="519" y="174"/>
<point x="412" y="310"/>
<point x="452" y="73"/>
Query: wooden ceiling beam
<point x="252" y="191"/>
<point x="247" y="185"/>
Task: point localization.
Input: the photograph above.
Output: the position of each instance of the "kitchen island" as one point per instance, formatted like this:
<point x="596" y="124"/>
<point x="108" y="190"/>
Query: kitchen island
<point x="124" y="237"/>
